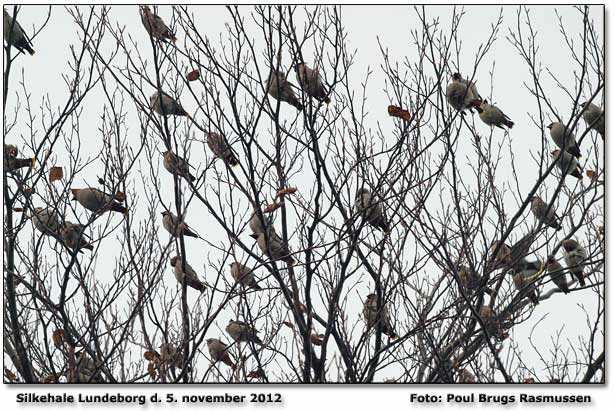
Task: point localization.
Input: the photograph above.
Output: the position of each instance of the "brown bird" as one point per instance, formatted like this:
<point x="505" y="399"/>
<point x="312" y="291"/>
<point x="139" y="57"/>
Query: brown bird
<point x="97" y="201"/>
<point x="87" y="370"/>
<point x="594" y="117"/>
<point x="502" y="259"/>
<point x="371" y="315"/>
<point x="15" y="36"/>
<point x="281" y="89"/>
<point x="242" y="332"/>
<point x="273" y="246"/>
<point x="170" y="356"/>
<point x="311" y="83"/>
<point x="177" y="165"/>
<point x="219" y="352"/>
<point x="11" y="162"/>
<point x="547" y="217"/>
<point x="557" y="274"/>
<point x="461" y="94"/>
<point x="175" y="226"/>
<point x="493" y="116"/>
<point x="470" y="279"/>
<point x="165" y="105"/>
<point x="188" y="274"/>
<point x="155" y="26"/>
<point x="564" y="138"/>
<point x="244" y="275"/>
<point x="370" y="209"/>
<point x="221" y="148"/>
<point x="525" y="272"/>
<point x="575" y="256"/>
<point x="73" y="237"/>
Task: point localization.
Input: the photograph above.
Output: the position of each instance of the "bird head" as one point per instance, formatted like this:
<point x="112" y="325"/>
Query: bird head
<point x="254" y="236"/>
<point x="75" y="192"/>
<point x="210" y="340"/>
<point x="550" y="126"/>
<point x="10" y="150"/>
<point x="174" y="260"/>
<point x="554" y="153"/>
<point x="456" y="76"/>
<point x="362" y="191"/>
<point x="165" y="213"/>
<point x="551" y="259"/>
<point x="570" y="244"/>
<point x="371" y="296"/>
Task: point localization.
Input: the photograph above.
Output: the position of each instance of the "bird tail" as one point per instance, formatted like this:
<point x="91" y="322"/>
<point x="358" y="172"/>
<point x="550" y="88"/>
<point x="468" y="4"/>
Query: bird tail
<point x="326" y="100"/>
<point x="232" y="160"/>
<point x="188" y="232"/>
<point x="197" y="285"/>
<point x="295" y="102"/>
<point x="227" y="360"/>
<point x="191" y="177"/>
<point x="29" y="49"/>
<point x="117" y="207"/>
<point x="580" y="278"/>
<point x="577" y="174"/>
<point x="88" y="246"/>
<point x="575" y="150"/>
<point x="508" y="123"/>
<point x="256" y="287"/>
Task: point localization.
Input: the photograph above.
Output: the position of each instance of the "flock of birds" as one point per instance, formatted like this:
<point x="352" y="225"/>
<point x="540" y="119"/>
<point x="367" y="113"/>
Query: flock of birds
<point x="461" y="94"/>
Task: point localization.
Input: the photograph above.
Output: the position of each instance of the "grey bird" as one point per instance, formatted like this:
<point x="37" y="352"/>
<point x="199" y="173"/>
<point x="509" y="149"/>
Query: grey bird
<point x="557" y="274"/>
<point x="175" y="164"/>
<point x="370" y="209"/>
<point x="242" y="332"/>
<point x="46" y="220"/>
<point x="155" y="26"/>
<point x="97" y="201"/>
<point x="221" y="148"/>
<point x="273" y="246"/>
<point x="547" y="217"/>
<point x="575" y="256"/>
<point x="218" y="351"/>
<point x="11" y="162"/>
<point x="15" y="36"/>
<point x="461" y="94"/>
<point x="493" y="116"/>
<point x="281" y="89"/>
<point x="188" y="274"/>
<point x="175" y="226"/>
<point x="594" y="117"/>
<point x="165" y="105"/>
<point x="87" y="370"/>
<point x="567" y="163"/>
<point x="74" y="238"/>
<point x="501" y="260"/>
<point x="256" y="224"/>
<point x="244" y="275"/>
<point x="372" y="316"/>
<point x="311" y="83"/>
<point x="564" y="138"/>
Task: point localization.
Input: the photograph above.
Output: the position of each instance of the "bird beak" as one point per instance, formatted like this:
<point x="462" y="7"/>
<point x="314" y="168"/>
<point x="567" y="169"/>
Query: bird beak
<point x="255" y="236"/>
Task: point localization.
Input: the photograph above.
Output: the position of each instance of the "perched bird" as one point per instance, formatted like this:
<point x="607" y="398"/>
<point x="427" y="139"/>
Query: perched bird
<point x="87" y="370"/>
<point x="557" y="274"/>
<point x="11" y="162"/>
<point x="256" y="224"/>
<point x="280" y="89"/>
<point x="242" y="332"/>
<point x="564" y="138"/>
<point x="273" y="246"/>
<point x="46" y="220"/>
<point x="219" y="352"/>
<point x="547" y="217"/>
<point x="15" y="36"/>
<point x="594" y="117"/>
<point x="155" y="26"/>
<point x="466" y="376"/>
<point x="371" y="315"/>
<point x="470" y="279"/>
<point x="188" y="274"/>
<point x="73" y="237"/>
<point x="221" y="148"/>
<point x="574" y="256"/>
<point x="165" y="105"/>
<point x="460" y="93"/>
<point x="521" y="249"/>
<point x="244" y="275"/>
<point x="175" y="226"/>
<point x="170" y="356"/>
<point x="524" y="274"/>
<point x="501" y="260"/>
<point x="177" y="165"/>
<point x="97" y="201"/>
<point x="370" y="209"/>
<point x="311" y="83"/>
<point x="567" y="163"/>
<point x="493" y="116"/>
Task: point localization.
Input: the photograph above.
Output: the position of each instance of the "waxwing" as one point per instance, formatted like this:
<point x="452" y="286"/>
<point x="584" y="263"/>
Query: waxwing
<point x="164" y="105"/>
<point x="256" y="225"/>
<point x="493" y="116"/>
<point x="564" y="138"/>
<point x="273" y="246"/>
<point x="280" y="89"/>
<point x="177" y="165"/>
<point x="244" y="275"/>
<point x="370" y="209"/>
<point x="547" y="217"/>
<point x="15" y="36"/>
<point x="11" y="162"/>
<point x="97" y="201"/>
<point x="567" y="163"/>
<point x="73" y="237"/>
<point x="219" y="352"/>
<point x="501" y="260"/>
<point x="87" y="370"/>
<point x="370" y="313"/>
<point x="524" y="274"/>
<point x="557" y="274"/>
<point x="175" y="226"/>
<point x="221" y="148"/>
<point x="575" y="256"/>
<point x="461" y="94"/>
<point x="242" y="332"/>
<point x="188" y="274"/>
<point x="594" y="117"/>
<point x="155" y="26"/>
<point x="311" y="83"/>
<point x="46" y="220"/>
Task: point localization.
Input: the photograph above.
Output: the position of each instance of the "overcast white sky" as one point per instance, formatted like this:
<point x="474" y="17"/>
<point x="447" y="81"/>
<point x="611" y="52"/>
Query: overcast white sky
<point x="365" y="24"/>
